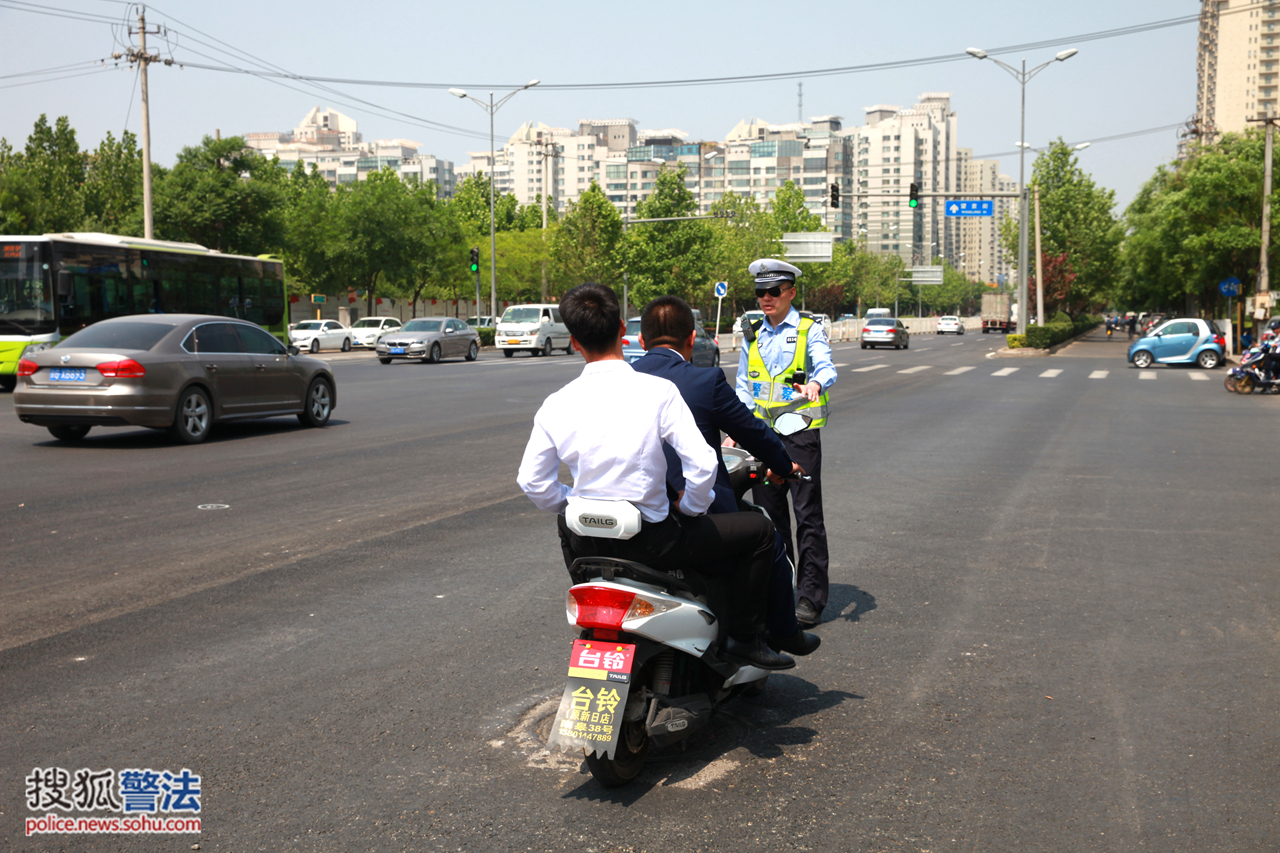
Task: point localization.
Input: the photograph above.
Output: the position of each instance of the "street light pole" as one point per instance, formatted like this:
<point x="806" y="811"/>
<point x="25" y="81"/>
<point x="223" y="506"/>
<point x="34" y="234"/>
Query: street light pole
<point x="492" y="108"/>
<point x="1022" y="76"/>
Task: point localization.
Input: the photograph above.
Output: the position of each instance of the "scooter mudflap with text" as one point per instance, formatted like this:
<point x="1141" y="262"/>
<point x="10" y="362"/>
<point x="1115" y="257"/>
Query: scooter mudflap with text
<point x="595" y="697"/>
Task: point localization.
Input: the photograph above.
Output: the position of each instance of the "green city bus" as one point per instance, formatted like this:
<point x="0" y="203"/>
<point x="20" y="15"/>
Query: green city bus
<point x="55" y="284"/>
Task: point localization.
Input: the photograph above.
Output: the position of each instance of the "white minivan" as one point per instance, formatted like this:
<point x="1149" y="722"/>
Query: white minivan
<point x="537" y="329"/>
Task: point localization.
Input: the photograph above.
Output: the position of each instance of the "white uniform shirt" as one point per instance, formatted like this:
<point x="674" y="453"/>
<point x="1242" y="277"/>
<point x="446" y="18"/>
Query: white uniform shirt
<point x="608" y="426"/>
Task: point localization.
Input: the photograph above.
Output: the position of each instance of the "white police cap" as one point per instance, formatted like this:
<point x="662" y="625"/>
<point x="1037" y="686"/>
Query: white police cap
<point x="771" y="271"/>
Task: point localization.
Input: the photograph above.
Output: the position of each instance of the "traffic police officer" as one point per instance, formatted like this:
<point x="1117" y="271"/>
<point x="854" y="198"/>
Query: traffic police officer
<point x="783" y="375"/>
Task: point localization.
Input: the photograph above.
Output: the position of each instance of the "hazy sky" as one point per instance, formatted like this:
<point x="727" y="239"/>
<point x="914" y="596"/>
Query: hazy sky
<point x="1113" y="86"/>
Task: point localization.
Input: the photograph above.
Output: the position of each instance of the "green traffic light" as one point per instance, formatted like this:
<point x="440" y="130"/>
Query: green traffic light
<point x="915" y="202"/>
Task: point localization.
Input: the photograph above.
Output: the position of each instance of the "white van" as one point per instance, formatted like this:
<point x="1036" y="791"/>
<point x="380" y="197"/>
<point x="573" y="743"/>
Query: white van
<point x="878" y="312"/>
<point x="537" y="329"/>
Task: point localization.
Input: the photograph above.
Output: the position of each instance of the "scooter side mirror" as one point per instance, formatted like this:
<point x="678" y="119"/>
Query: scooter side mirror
<point x="790" y="423"/>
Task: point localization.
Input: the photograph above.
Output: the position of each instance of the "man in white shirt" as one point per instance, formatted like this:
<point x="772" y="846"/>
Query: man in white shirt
<point x="608" y="426"/>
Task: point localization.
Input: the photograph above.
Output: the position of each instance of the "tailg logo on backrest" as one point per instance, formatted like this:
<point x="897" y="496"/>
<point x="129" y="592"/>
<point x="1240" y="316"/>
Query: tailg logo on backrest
<point x="598" y="521"/>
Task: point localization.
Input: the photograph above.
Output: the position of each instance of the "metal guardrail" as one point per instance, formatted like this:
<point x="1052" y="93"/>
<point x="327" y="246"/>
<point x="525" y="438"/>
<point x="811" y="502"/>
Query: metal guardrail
<point x="851" y="330"/>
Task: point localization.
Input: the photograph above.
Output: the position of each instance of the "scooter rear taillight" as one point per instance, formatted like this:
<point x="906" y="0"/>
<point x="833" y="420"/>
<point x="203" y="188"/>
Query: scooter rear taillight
<point x="604" y="607"/>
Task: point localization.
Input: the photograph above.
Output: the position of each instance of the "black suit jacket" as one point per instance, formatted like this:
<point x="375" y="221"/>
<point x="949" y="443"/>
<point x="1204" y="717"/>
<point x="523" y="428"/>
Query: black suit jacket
<point x="716" y="408"/>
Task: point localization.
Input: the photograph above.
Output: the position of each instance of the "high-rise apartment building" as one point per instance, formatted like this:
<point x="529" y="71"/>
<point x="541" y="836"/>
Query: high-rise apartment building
<point x="896" y="148"/>
<point x="331" y="141"/>
<point x="1237" y="64"/>
<point x="977" y="250"/>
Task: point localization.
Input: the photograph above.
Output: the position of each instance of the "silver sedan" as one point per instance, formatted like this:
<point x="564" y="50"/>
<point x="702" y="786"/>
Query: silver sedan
<point x="181" y="372"/>
<point x="429" y="339"/>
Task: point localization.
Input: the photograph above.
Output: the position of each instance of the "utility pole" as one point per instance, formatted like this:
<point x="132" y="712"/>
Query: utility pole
<point x="1039" y="265"/>
<point x="1262" y="297"/>
<point x="140" y="56"/>
<point x="546" y="182"/>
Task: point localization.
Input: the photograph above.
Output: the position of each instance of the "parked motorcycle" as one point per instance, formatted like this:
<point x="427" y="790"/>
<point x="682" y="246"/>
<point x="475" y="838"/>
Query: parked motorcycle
<point x="648" y="668"/>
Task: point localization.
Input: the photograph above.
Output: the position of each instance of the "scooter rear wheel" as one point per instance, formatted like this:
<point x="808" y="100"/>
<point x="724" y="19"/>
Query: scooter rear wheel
<point x="628" y="758"/>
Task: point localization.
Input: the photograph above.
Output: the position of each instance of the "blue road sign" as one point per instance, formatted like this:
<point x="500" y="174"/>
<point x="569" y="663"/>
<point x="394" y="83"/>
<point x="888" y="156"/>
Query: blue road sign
<point x="722" y="289"/>
<point x="1230" y="286"/>
<point x="971" y="207"/>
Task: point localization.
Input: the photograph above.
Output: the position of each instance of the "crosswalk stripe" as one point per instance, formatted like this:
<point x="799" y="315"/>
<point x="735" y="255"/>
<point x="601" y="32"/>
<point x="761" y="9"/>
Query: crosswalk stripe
<point x="1005" y="371"/>
<point x="1146" y="374"/>
<point x="1100" y="374"/>
<point x="917" y="369"/>
<point x="1049" y="374"/>
<point x="1199" y="376"/>
<point x="957" y="371"/>
<point x="869" y="368"/>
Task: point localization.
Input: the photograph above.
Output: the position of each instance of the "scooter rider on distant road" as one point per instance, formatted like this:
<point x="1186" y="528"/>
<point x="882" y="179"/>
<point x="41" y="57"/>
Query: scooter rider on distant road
<point x="608" y="426"/>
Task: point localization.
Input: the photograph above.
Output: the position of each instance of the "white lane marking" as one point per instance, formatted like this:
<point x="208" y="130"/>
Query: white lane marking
<point x="1200" y="376"/>
<point x="1005" y="371"/>
<point x="957" y="371"/>
<point x="959" y="344"/>
<point x="845" y="364"/>
<point x="1146" y="374"/>
<point x="1049" y="374"/>
<point x="917" y="369"/>
<point x="868" y="368"/>
<point x="1100" y="374"/>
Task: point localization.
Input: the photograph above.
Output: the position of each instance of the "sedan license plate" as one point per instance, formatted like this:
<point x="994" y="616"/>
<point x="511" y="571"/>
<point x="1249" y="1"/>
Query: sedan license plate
<point x="66" y="374"/>
<point x="396" y="350"/>
<point x="512" y="341"/>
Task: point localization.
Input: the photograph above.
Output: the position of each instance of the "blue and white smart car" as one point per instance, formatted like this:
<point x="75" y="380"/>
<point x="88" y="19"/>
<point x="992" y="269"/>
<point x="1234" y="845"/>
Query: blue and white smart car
<point x="1185" y="340"/>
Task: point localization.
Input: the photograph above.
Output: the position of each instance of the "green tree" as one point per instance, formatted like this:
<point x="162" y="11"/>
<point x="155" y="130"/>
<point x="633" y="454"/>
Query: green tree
<point x="669" y="257"/>
<point x="113" y="185"/>
<point x="1193" y="224"/>
<point x="17" y="193"/>
<point x="57" y="170"/>
<point x="306" y="223"/>
<point x="224" y="196"/>
<point x="585" y="245"/>
<point x="470" y="204"/>
<point x="789" y="213"/>
<point x="743" y="232"/>
<point x="1077" y="220"/>
<point x="371" y="239"/>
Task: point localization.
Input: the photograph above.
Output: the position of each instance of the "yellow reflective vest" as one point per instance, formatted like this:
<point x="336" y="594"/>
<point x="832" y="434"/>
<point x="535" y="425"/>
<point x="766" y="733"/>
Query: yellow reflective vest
<point x="775" y="395"/>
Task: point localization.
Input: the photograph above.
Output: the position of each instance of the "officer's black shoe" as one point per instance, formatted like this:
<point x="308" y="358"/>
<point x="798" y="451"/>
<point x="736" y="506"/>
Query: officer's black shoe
<point x="757" y="653"/>
<point x="806" y="614"/>
<point x="800" y="643"/>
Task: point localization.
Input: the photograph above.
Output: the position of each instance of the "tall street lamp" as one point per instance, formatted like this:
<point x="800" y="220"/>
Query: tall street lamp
<point x="492" y="108"/>
<point x="1022" y="76"/>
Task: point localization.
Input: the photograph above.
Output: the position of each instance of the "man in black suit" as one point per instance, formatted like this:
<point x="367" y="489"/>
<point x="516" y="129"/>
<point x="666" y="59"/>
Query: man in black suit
<point x="667" y="334"/>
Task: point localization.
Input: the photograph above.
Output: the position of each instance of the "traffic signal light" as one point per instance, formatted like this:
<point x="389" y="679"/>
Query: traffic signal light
<point x="475" y="260"/>
<point x="835" y="195"/>
<point x="915" y="196"/>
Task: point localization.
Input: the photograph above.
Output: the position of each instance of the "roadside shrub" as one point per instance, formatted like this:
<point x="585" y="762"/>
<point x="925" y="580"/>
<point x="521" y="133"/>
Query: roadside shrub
<point x="1016" y="341"/>
<point x="486" y="336"/>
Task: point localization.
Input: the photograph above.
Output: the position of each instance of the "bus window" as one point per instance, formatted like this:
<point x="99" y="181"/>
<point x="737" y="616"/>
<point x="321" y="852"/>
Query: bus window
<point x="228" y="296"/>
<point x="203" y="294"/>
<point x="251" y="300"/>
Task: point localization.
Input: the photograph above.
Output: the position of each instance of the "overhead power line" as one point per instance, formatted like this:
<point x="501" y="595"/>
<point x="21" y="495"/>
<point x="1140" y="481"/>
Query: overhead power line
<point x="719" y="81"/>
<point x="1164" y="128"/>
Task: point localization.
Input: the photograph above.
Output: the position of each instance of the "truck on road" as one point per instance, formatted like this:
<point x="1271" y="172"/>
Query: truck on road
<point x="996" y="314"/>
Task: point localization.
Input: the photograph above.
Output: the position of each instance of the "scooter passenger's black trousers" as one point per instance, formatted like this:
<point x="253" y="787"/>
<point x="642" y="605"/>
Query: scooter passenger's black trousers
<point x="737" y="546"/>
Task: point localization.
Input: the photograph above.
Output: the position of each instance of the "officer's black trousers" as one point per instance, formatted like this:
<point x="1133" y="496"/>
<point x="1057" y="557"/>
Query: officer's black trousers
<point x="806" y="499"/>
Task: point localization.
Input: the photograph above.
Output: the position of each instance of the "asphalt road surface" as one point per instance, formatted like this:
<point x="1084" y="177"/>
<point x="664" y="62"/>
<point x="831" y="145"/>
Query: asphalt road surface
<point x="1053" y="623"/>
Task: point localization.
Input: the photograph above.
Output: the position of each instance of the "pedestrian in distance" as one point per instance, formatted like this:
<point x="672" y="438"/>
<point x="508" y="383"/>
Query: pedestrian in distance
<point x="1133" y="326"/>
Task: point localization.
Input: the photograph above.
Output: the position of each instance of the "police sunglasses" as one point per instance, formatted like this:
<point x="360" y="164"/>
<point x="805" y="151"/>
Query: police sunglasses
<point x="774" y="291"/>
